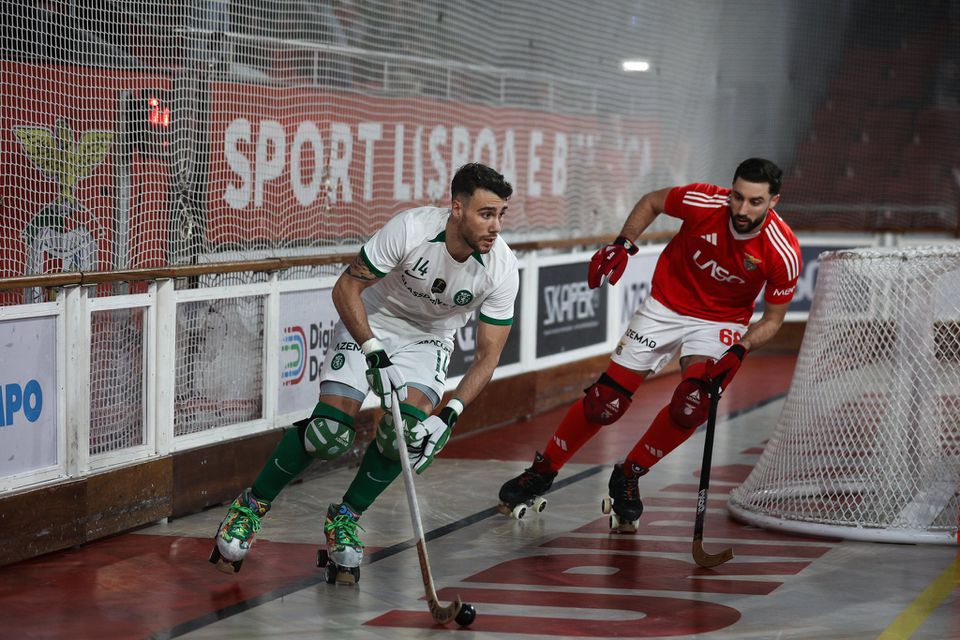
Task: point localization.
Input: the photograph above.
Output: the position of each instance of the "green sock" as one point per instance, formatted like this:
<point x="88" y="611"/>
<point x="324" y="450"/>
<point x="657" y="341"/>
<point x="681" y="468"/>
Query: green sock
<point x="375" y="474"/>
<point x="285" y="463"/>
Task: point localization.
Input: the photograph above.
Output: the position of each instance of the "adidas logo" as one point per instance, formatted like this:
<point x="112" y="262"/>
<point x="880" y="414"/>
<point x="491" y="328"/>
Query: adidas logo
<point x="655" y="452"/>
<point x="710" y="237"/>
<point x="560" y="443"/>
<point x="693" y="400"/>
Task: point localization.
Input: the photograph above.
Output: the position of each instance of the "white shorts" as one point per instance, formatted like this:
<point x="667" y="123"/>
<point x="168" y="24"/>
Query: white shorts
<point x="422" y="360"/>
<point x="656" y="333"/>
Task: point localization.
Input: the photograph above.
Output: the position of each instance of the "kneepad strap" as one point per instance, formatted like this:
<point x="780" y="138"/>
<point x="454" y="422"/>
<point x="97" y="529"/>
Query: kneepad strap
<point x="328" y="433"/>
<point x="690" y="404"/>
<point x="606" y="401"/>
<point x="386" y="440"/>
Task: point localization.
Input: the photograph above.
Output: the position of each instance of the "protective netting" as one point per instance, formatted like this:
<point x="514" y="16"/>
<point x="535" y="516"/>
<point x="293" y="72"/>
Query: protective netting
<point x="219" y="364"/>
<point x="142" y="134"/>
<point x="117" y="364"/>
<point x="868" y="443"/>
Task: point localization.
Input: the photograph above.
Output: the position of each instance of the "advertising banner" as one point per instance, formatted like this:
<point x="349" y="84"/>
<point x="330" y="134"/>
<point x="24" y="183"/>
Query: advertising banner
<point x="28" y="395"/>
<point x="306" y="327"/>
<point x="570" y="315"/>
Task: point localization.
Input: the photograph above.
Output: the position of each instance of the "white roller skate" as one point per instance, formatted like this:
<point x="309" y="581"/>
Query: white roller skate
<point x="235" y="535"/>
<point x="341" y="559"/>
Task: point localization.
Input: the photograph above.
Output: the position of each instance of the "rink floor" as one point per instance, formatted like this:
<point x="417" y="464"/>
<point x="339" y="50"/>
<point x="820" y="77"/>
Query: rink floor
<point x="559" y="574"/>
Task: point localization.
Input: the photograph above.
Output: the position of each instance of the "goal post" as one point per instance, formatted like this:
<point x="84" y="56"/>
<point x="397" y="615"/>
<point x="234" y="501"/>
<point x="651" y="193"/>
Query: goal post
<point x="867" y="446"/>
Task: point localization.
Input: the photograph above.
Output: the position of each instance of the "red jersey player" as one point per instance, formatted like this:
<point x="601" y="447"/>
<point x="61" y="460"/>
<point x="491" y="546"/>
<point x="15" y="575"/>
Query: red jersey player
<point x="730" y="246"/>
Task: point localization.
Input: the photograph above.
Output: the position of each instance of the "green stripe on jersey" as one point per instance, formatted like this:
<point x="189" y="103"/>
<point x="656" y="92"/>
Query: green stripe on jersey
<point x="366" y="261"/>
<point x="490" y="320"/>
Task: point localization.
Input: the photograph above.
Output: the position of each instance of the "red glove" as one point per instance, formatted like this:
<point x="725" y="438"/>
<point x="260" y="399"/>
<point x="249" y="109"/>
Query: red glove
<point x="611" y="261"/>
<point x="723" y="370"/>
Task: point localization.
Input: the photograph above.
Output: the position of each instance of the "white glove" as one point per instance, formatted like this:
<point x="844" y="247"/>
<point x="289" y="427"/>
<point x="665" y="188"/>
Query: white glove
<point x="428" y="438"/>
<point x="382" y="375"/>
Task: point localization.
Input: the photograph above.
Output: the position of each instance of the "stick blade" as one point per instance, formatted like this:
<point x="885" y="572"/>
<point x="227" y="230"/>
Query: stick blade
<point x="708" y="560"/>
<point x="444" y="615"/>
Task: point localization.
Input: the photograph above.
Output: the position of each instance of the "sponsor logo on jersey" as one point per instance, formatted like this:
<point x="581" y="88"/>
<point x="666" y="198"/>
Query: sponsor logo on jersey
<point x="645" y="341"/>
<point x="710" y="237"/>
<point x="749" y="262"/>
<point x="438" y="286"/>
<point x="784" y="292"/>
<point x="462" y="297"/>
<point x="337" y="362"/>
<point x="717" y="272"/>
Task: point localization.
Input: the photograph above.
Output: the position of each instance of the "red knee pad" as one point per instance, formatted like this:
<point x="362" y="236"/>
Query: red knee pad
<point x="605" y="401"/>
<point x="690" y="404"/>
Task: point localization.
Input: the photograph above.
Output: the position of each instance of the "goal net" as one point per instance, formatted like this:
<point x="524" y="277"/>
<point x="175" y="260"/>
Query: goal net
<point x="868" y="444"/>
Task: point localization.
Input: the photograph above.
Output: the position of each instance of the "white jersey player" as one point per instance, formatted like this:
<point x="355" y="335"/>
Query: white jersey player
<point x="413" y="284"/>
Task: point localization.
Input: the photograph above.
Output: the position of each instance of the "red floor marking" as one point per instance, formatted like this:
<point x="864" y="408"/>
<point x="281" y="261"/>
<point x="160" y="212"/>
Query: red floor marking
<point x="629" y="572"/>
<point x="132" y="586"/>
<point x="717" y="525"/>
<point x="641" y="545"/>
<point x="652" y="616"/>
<point x="761" y="377"/>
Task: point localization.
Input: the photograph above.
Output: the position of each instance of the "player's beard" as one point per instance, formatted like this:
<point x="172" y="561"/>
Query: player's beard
<point x="736" y="220"/>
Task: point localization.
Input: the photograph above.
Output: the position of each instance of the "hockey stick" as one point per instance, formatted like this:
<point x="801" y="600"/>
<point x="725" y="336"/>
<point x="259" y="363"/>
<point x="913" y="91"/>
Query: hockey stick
<point x="441" y="614"/>
<point x="700" y="556"/>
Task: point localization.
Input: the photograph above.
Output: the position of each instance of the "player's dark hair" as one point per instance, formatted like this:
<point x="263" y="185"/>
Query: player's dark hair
<point x="473" y="176"/>
<point x="760" y="170"/>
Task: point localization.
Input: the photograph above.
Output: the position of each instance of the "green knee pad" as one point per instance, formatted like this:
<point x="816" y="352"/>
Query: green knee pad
<point x="328" y="433"/>
<point x="386" y="440"/>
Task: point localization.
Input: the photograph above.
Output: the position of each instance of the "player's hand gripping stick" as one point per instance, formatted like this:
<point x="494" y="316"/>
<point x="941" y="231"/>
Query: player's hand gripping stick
<point x="383" y="376"/>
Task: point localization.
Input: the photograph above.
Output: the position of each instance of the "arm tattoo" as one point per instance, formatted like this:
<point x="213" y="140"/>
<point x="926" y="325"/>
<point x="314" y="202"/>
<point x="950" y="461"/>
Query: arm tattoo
<point x="360" y="271"/>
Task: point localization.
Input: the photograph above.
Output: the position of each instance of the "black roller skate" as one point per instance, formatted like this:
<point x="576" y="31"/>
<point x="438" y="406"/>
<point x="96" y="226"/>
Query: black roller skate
<point x="526" y="490"/>
<point x="624" y="504"/>
<point x="341" y="559"/>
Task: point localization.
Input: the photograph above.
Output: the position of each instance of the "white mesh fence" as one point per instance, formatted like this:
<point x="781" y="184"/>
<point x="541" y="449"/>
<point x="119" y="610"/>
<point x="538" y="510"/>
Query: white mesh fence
<point x="868" y="443"/>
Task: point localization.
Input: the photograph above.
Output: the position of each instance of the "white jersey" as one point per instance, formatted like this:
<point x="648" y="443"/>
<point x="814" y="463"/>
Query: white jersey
<point x="423" y="289"/>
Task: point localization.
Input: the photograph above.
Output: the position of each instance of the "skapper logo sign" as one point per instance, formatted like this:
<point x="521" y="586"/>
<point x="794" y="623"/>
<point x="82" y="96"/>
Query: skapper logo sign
<point x="301" y="357"/>
<point x="26" y="400"/>
<point x="293" y="347"/>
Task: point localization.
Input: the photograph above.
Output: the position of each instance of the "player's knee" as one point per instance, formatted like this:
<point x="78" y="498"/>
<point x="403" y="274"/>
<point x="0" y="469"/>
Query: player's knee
<point x="690" y="403"/>
<point x="328" y="433"/>
<point x="386" y="437"/>
<point x="606" y="401"/>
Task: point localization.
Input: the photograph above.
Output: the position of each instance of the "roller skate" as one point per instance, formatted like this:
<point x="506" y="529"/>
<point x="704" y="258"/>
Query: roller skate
<point x="235" y="535"/>
<point x="341" y="559"/>
<point x="526" y="490"/>
<point x="624" y="504"/>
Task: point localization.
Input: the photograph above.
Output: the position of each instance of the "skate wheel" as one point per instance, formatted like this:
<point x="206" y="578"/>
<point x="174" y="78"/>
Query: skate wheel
<point x="215" y="555"/>
<point x="519" y="511"/>
<point x="539" y="504"/>
<point x="614" y="522"/>
<point x="330" y="573"/>
<point x="606" y="505"/>
<point x="322" y="558"/>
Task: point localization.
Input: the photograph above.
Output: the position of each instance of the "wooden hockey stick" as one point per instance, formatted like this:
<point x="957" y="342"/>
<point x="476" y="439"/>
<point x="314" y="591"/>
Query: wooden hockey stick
<point x="441" y="614"/>
<point x="700" y="556"/>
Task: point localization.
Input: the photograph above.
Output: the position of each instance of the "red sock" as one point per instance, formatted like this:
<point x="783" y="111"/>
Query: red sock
<point x="663" y="435"/>
<point x="574" y="430"/>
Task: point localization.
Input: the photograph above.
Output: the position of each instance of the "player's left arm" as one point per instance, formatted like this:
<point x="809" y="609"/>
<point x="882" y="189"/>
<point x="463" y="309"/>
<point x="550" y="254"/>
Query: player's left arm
<point x="764" y="329"/>
<point x="434" y="432"/>
<point x="490" y="341"/>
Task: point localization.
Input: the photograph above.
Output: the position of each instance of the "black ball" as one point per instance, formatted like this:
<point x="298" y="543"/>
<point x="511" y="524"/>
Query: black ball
<point x="467" y="615"/>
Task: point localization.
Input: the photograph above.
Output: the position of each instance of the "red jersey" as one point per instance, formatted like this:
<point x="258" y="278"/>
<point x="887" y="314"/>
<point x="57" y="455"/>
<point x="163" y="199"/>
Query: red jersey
<point x="710" y="271"/>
